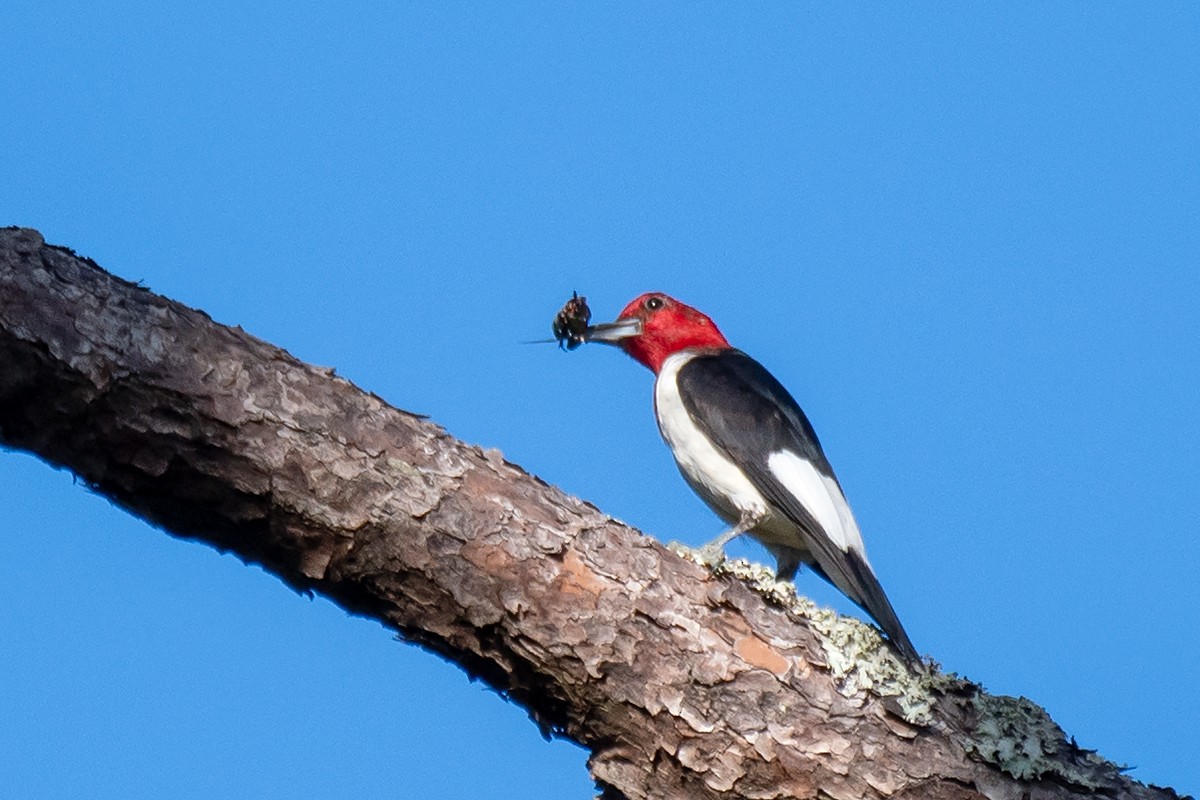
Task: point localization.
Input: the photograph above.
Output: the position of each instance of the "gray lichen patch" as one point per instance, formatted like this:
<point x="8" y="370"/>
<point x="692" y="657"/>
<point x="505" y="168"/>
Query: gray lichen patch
<point x="1020" y="738"/>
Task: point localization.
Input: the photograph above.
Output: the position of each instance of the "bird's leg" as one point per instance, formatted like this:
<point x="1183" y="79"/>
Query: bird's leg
<point x="713" y="553"/>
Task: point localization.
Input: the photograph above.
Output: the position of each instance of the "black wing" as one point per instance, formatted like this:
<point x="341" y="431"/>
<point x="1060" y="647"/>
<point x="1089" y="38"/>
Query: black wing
<point x="751" y="416"/>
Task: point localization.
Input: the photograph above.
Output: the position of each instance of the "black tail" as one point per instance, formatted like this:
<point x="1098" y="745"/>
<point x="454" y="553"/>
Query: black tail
<point x="872" y="599"/>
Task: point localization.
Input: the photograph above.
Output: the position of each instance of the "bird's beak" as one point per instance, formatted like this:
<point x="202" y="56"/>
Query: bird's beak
<point x="613" y="332"/>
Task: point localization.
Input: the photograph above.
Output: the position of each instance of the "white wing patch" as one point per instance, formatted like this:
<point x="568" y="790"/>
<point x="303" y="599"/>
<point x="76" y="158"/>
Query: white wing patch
<point x="821" y="496"/>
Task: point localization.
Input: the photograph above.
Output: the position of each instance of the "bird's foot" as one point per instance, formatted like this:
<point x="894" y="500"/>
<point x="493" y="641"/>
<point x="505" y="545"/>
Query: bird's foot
<point x="708" y="556"/>
<point x="711" y="555"/>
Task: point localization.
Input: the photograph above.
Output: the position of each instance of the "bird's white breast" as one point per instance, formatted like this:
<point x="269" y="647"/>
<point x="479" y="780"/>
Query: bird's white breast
<point x="714" y="477"/>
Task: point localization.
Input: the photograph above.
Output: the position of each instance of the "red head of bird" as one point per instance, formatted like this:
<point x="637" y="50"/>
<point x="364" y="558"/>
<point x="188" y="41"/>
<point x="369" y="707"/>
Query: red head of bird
<point x="655" y="325"/>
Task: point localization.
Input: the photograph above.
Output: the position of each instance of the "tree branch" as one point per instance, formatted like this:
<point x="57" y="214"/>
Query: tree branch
<point x="681" y="683"/>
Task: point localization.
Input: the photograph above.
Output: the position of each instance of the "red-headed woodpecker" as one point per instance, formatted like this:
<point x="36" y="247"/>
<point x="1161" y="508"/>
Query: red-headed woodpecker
<point x="743" y="444"/>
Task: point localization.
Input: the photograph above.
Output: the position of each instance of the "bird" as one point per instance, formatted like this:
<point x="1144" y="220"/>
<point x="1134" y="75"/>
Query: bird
<point x="744" y="445"/>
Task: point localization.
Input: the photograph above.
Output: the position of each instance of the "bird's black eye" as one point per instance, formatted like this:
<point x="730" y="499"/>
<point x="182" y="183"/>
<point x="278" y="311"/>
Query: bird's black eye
<point x="654" y="303"/>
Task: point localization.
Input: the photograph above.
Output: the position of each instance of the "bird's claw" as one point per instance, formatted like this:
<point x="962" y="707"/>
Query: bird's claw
<point x="711" y="556"/>
<point x="708" y="556"/>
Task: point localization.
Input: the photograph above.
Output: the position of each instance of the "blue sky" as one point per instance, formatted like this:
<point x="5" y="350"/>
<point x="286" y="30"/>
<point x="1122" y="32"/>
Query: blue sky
<point x="964" y="236"/>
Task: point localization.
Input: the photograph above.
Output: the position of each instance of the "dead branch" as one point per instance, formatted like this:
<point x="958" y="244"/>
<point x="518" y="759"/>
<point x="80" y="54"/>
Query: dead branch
<point x="681" y="683"/>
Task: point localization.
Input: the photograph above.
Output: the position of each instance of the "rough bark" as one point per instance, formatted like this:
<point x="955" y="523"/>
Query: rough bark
<point x="681" y="683"/>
